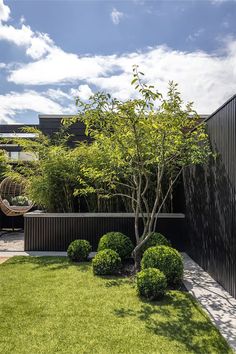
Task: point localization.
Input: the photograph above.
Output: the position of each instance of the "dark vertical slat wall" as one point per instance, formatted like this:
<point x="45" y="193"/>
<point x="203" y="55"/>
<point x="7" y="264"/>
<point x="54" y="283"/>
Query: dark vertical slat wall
<point x="55" y="232"/>
<point x="210" y="201"/>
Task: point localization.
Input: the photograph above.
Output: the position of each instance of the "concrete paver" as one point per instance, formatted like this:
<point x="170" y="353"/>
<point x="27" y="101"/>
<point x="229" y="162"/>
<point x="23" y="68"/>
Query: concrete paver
<point x="219" y="304"/>
<point x="12" y="241"/>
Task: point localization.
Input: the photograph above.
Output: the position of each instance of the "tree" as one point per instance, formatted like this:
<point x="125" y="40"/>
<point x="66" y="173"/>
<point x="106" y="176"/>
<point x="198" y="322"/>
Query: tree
<point x="141" y="147"/>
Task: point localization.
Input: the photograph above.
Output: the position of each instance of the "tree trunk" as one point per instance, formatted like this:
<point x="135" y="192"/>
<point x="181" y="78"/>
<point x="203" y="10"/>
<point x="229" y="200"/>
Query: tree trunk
<point x="137" y="260"/>
<point x="137" y="254"/>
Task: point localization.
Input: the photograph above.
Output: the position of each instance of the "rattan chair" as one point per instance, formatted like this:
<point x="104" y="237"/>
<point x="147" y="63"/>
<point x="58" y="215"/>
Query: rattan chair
<point x="9" y="190"/>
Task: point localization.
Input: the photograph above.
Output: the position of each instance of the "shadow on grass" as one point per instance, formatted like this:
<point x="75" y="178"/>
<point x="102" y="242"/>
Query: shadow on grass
<point x="116" y="282"/>
<point x="49" y="263"/>
<point x="178" y="318"/>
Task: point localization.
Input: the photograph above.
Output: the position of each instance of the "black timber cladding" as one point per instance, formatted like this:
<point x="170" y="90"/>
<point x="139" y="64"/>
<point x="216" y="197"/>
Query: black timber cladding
<point x="48" y="124"/>
<point x="210" y="201"/>
<point x="54" y="232"/>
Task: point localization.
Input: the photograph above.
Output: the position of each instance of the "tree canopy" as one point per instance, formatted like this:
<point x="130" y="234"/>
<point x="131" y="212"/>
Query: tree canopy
<point x="142" y="146"/>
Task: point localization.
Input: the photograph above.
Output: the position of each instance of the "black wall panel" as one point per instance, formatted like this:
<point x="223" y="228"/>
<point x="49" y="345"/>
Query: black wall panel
<point x="210" y="201"/>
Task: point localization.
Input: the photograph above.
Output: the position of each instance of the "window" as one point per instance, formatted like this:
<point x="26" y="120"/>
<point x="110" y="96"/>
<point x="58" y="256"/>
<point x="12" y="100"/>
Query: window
<point x="18" y="135"/>
<point x="21" y="156"/>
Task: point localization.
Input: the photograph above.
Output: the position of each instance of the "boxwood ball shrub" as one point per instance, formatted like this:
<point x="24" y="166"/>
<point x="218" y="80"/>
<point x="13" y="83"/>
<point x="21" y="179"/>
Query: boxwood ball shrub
<point x="151" y="283"/>
<point x="155" y="239"/>
<point x="79" y="250"/>
<point x="118" y="242"/>
<point x="106" y="262"/>
<point x="166" y="259"/>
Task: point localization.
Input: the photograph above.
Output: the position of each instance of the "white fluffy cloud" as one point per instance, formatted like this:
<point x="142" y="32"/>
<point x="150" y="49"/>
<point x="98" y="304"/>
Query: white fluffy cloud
<point x="36" y="44"/>
<point x="60" y="67"/>
<point x="203" y="78"/>
<point x="4" y="12"/>
<point x="116" y="16"/>
<point x="13" y="103"/>
<point x="58" y="95"/>
<point x="83" y="92"/>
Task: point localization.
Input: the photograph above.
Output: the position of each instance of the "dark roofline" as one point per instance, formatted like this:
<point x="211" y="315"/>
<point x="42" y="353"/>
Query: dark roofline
<point x="203" y="116"/>
<point x="57" y="115"/>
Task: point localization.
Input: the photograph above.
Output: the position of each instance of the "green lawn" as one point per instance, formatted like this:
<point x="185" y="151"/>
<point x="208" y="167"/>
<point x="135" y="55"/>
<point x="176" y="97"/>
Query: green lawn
<point x="48" y="305"/>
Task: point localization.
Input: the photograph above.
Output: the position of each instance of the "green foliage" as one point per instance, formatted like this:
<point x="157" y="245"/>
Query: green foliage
<point x="118" y="242"/>
<point x="4" y="165"/>
<point x="106" y="262"/>
<point x="166" y="259"/>
<point x="60" y="179"/>
<point x="54" y="177"/>
<point x="142" y="146"/>
<point x="53" y="185"/>
<point x="151" y="284"/>
<point x="155" y="239"/>
<point x="79" y="250"/>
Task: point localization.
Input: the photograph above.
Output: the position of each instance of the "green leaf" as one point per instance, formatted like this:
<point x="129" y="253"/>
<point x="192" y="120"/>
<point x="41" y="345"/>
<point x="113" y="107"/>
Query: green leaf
<point x="133" y="81"/>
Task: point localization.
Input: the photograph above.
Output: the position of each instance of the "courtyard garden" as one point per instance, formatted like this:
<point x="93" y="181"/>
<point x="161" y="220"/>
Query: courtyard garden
<point x="130" y="298"/>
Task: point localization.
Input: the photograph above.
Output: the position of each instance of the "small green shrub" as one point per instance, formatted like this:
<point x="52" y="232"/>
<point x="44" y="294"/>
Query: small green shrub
<point x="151" y="283"/>
<point x="155" y="239"/>
<point x="79" y="250"/>
<point x="166" y="259"/>
<point x="106" y="262"/>
<point x="118" y="242"/>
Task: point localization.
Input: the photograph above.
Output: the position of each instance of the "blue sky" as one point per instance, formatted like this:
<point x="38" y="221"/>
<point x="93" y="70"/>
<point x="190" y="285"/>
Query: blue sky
<point x="53" y="51"/>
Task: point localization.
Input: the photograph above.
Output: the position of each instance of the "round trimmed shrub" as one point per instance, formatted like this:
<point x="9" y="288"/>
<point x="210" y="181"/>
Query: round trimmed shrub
<point x="155" y="239"/>
<point x="151" y="283"/>
<point x="166" y="259"/>
<point x="118" y="242"/>
<point x="79" y="250"/>
<point x="106" y="262"/>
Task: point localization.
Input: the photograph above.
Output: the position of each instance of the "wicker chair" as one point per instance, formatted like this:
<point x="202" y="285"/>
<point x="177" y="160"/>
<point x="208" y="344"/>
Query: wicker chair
<point x="9" y="190"/>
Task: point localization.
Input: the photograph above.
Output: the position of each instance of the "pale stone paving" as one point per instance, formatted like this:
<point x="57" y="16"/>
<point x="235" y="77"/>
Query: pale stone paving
<point x="220" y="306"/>
<point x="13" y="241"/>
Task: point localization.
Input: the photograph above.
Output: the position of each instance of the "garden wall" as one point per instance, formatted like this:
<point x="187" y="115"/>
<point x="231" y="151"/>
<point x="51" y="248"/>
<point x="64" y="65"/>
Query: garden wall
<point x="211" y="201"/>
<point x="55" y="231"/>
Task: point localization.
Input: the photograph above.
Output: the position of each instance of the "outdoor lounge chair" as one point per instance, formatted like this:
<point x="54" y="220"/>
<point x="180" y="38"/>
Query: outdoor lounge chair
<point x="9" y="190"/>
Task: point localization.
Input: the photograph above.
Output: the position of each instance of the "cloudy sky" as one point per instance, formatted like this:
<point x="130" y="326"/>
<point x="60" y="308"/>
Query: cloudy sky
<point x="53" y="51"/>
